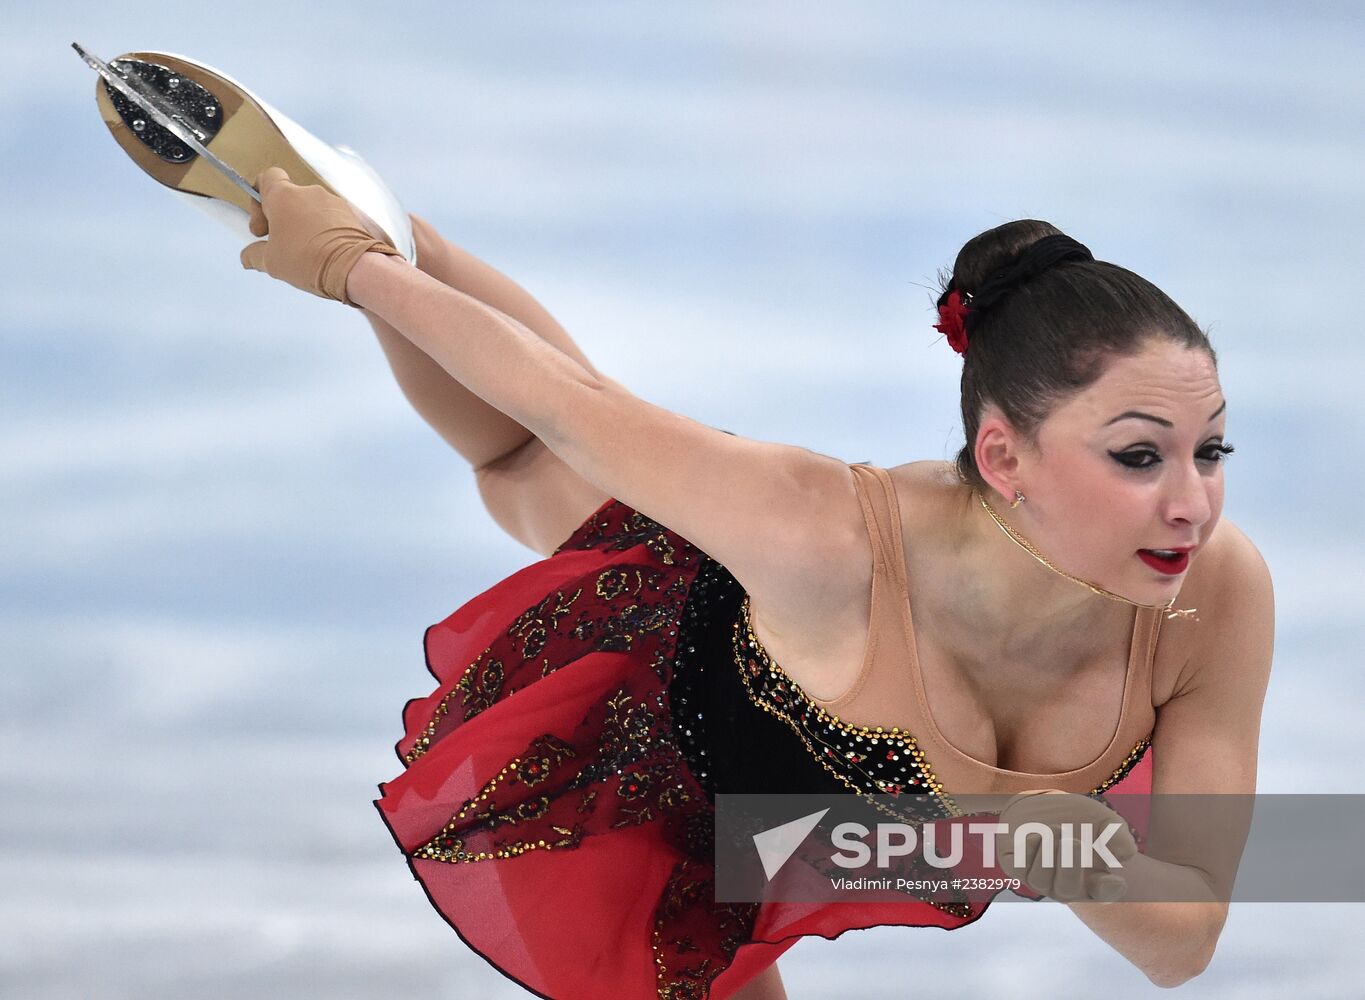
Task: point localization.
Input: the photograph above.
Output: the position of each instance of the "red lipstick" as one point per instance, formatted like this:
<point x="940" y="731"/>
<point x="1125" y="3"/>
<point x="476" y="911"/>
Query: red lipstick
<point x="1170" y="565"/>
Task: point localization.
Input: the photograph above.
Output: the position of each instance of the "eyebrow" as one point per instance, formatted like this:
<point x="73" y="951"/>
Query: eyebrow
<point x="1127" y="414"/>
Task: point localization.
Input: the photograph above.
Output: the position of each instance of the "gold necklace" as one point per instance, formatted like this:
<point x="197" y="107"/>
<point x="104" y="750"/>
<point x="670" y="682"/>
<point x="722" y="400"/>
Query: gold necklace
<point x="1171" y="612"/>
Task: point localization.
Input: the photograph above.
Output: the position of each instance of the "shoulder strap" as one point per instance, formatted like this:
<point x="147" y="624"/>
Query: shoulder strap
<point x="1145" y="653"/>
<point x="888" y="515"/>
<point x="865" y="485"/>
<point x="872" y="499"/>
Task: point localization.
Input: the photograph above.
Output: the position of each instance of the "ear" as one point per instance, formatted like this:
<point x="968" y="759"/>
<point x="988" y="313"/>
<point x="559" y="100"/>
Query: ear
<point x="999" y="453"/>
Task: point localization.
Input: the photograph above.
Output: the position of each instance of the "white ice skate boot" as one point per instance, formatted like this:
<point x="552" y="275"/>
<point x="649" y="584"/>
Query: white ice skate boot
<point x="239" y="129"/>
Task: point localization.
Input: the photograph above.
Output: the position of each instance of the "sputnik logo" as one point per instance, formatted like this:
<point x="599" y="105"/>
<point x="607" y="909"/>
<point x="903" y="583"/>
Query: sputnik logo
<point x="777" y="845"/>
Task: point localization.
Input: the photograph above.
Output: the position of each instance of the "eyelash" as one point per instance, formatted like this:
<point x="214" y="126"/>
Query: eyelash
<point x="1220" y="452"/>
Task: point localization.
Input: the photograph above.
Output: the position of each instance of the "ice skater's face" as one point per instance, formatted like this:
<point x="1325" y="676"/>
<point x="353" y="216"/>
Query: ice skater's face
<point x="1133" y="463"/>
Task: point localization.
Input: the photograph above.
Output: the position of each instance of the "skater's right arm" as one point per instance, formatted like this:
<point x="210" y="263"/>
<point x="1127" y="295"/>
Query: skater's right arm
<point x="481" y="433"/>
<point x="784" y="520"/>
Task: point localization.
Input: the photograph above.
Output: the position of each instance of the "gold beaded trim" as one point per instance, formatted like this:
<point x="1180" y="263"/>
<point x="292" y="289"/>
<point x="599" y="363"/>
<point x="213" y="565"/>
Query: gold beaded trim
<point x="461" y="687"/>
<point x="675" y="990"/>
<point x="1138" y="750"/>
<point x="734" y="920"/>
<point x="743" y="630"/>
<point x="445" y="847"/>
<point x="934" y="785"/>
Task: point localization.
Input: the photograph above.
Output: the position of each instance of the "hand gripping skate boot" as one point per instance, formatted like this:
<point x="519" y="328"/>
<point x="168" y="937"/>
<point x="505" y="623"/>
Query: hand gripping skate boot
<point x="207" y="138"/>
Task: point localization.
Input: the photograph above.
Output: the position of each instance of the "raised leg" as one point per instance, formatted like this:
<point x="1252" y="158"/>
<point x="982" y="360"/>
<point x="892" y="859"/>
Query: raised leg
<point x="479" y="432"/>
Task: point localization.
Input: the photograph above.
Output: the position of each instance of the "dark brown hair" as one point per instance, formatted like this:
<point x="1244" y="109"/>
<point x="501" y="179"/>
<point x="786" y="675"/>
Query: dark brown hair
<point x="1053" y="334"/>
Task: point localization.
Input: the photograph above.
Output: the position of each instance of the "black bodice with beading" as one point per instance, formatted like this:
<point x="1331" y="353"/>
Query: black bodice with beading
<point x="744" y="727"/>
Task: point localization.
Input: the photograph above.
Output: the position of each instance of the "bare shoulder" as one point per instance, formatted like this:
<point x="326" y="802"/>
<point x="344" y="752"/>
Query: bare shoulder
<point x="1241" y="592"/>
<point x="1232" y="556"/>
<point x="1231" y="578"/>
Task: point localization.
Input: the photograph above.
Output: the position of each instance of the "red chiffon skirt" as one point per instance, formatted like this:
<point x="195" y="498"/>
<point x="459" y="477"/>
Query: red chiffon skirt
<point x="545" y="806"/>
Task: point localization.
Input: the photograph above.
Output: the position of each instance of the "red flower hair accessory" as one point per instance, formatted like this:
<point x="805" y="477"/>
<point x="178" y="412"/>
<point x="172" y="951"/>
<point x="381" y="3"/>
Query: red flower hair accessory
<point x="952" y="315"/>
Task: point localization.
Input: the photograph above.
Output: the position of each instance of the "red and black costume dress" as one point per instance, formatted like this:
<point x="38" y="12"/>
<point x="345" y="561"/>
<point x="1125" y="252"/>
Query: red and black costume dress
<point x="557" y="798"/>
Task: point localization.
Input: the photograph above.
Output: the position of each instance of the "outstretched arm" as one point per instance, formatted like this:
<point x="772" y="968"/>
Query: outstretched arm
<point x="782" y="519"/>
<point x="479" y="432"/>
<point x="777" y="516"/>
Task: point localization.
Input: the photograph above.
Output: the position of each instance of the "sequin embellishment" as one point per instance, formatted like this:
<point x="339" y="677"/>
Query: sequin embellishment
<point x="870" y="760"/>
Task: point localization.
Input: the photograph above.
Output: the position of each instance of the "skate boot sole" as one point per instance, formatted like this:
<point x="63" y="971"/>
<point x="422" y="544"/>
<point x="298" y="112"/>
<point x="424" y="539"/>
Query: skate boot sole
<point x="248" y="135"/>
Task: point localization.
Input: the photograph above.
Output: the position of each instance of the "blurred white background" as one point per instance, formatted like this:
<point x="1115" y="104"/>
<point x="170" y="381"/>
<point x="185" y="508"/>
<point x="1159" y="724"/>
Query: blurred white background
<point x="225" y="531"/>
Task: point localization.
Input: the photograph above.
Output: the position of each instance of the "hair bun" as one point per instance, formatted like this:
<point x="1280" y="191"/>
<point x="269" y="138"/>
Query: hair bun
<point x="1036" y="258"/>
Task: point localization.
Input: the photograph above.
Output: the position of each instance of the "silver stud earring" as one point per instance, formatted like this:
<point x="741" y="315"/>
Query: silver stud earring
<point x="1018" y="499"/>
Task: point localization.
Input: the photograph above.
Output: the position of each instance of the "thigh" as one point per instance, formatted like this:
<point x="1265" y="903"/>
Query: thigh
<point x="535" y="497"/>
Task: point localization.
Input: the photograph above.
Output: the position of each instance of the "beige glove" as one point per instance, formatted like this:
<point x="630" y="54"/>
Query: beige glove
<point x="1067" y="883"/>
<point x="315" y="237"/>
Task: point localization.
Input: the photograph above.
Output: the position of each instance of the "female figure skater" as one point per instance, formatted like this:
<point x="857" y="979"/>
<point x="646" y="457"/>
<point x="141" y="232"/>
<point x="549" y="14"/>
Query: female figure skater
<point x="1060" y="610"/>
